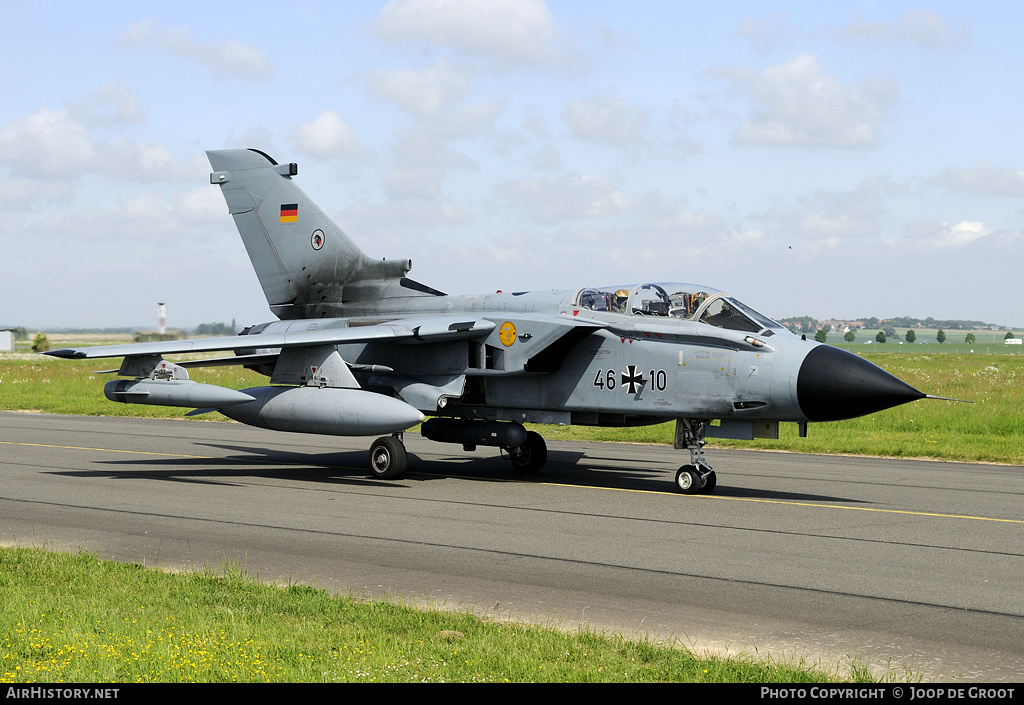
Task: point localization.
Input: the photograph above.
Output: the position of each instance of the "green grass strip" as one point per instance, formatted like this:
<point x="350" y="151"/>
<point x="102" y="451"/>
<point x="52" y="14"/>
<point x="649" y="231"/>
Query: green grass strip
<point x="75" y="618"/>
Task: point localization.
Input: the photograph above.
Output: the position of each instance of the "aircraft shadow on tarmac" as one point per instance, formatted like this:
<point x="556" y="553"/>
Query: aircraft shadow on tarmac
<point x="569" y="468"/>
<point x="342" y="467"/>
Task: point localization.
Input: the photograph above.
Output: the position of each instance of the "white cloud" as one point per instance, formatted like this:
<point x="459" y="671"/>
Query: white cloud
<point x="143" y="161"/>
<point x="701" y="230"/>
<point x="412" y="181"/>
<point x="764" y="32"/>
<point x="826" y="219"/>
<point x="546" y="158"/>
<point x="398" y="226"/>
<point x="504" y="31"/>
<point x="422" y="155"/>
<point x="427" y="91"/>
<point x="538" y="125"/>
<point x="468" y="121"/>
<point x="614" y="39"/>
<point x="931" y="233"/>
<point x="423" y="145"/>
<point x="50" y="144"/>
<point x="984" y="179"/>
<point x="201" y="206"/>
<point x="565" y="197"/>
<point x="22" y="194"/>
<point x="798" y="106"/>
<point x="47" y="144"/>
<point x="225" y="58"/>
<point x="327" y="137"/>
<point x="609" y="121"/>
<point x="185" y="218"/>
<point x="921" y="27"/>
<point x="113" y="103"/>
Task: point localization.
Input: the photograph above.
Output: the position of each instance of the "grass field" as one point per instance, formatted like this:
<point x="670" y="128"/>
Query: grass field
<point x="989" y="430"/>
<point x="73" y="618"/>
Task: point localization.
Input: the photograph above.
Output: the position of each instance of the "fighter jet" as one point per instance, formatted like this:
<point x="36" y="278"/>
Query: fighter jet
<point x="360" y="349"/>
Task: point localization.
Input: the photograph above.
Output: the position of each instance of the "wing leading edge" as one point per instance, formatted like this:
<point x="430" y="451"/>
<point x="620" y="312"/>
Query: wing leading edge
<point x="410" y="330"/>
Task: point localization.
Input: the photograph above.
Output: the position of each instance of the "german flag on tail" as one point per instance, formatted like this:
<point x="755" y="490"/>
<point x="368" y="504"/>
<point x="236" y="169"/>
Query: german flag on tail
<point x="289" y="212"/>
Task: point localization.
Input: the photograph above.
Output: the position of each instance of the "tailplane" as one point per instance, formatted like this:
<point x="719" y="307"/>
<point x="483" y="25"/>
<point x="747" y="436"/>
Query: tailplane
<point x="307" y="266"/>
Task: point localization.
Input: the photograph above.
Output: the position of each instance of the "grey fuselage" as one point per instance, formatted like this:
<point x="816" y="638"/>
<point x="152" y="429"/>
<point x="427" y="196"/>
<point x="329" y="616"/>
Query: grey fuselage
<point x="628" y="368"/>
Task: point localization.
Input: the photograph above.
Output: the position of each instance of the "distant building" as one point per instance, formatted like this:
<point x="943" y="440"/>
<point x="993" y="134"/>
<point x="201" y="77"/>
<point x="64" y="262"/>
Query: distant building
<point x="1013" y="341"/>
<point x="6" y="341"/>
<point x="149" y="336"/>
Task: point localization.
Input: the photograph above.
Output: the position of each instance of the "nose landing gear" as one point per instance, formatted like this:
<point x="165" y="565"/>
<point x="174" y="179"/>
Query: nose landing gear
<point x="697" y="477"/>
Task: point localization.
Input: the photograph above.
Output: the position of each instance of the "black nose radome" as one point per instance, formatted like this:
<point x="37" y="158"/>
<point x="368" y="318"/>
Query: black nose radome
<point x="834" y="384"/>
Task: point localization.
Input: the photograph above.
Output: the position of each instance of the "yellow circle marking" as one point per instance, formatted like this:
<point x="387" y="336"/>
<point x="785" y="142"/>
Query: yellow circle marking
<point x="507" y="333"/>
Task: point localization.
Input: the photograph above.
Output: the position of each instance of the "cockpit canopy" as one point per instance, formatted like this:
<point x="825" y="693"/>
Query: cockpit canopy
<point x="686" y="301"/>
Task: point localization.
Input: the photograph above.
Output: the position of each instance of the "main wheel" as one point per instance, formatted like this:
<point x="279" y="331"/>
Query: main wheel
<point x="531" y="456"/>
<point x="388" y="458"/>
<point x="688" y="480"/>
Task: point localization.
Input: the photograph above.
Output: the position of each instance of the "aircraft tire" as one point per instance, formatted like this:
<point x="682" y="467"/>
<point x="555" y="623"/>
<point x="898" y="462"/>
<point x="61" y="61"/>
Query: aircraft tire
<point x="709" y="483"/>
<point x="688" y="480"/>
<point x="530" y="457"/>
<point x="388" y="458"/>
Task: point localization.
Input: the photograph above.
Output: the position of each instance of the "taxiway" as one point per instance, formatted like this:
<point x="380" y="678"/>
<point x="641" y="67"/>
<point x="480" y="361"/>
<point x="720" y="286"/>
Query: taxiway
<point x="901" y="563"/>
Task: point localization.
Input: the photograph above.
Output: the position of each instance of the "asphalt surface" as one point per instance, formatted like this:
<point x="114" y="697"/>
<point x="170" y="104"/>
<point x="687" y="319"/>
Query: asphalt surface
<point x="910" y="565"/>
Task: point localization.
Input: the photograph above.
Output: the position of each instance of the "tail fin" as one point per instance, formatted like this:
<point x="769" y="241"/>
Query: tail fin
<point x="303" y="260"/>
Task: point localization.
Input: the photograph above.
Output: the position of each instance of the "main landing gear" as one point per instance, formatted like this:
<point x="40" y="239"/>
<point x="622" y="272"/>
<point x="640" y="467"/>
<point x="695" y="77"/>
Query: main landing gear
<point x="697" y="477"/>
<point x="526" y="449"/>
<point x="530" y="457"/>
<point x="388" y="459"/>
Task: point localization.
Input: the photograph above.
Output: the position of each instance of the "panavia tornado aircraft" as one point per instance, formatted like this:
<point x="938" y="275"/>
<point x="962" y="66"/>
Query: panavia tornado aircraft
<point x="362" y="350"/>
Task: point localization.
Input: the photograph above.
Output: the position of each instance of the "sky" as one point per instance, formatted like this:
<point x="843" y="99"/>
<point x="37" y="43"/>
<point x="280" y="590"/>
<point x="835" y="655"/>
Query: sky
<point x="836" y="160"/>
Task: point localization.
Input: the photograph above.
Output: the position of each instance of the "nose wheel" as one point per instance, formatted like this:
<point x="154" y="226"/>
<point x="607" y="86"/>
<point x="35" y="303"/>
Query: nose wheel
<point x="697" y="477"/>
<point x="690" y="480"/>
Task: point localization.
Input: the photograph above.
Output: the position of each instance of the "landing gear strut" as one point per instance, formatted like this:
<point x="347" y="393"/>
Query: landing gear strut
<point x="697" y="477"/>
<point x="388" y="458"/>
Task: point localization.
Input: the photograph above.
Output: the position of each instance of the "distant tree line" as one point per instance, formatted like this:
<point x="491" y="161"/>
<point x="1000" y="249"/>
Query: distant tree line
<point x="909" y="322"/>
<point x="809" y="324"/>
<point x="215" y="329"/>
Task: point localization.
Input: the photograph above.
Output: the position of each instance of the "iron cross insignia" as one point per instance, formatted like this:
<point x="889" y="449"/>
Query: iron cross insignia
<point x="632" y="378"/>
